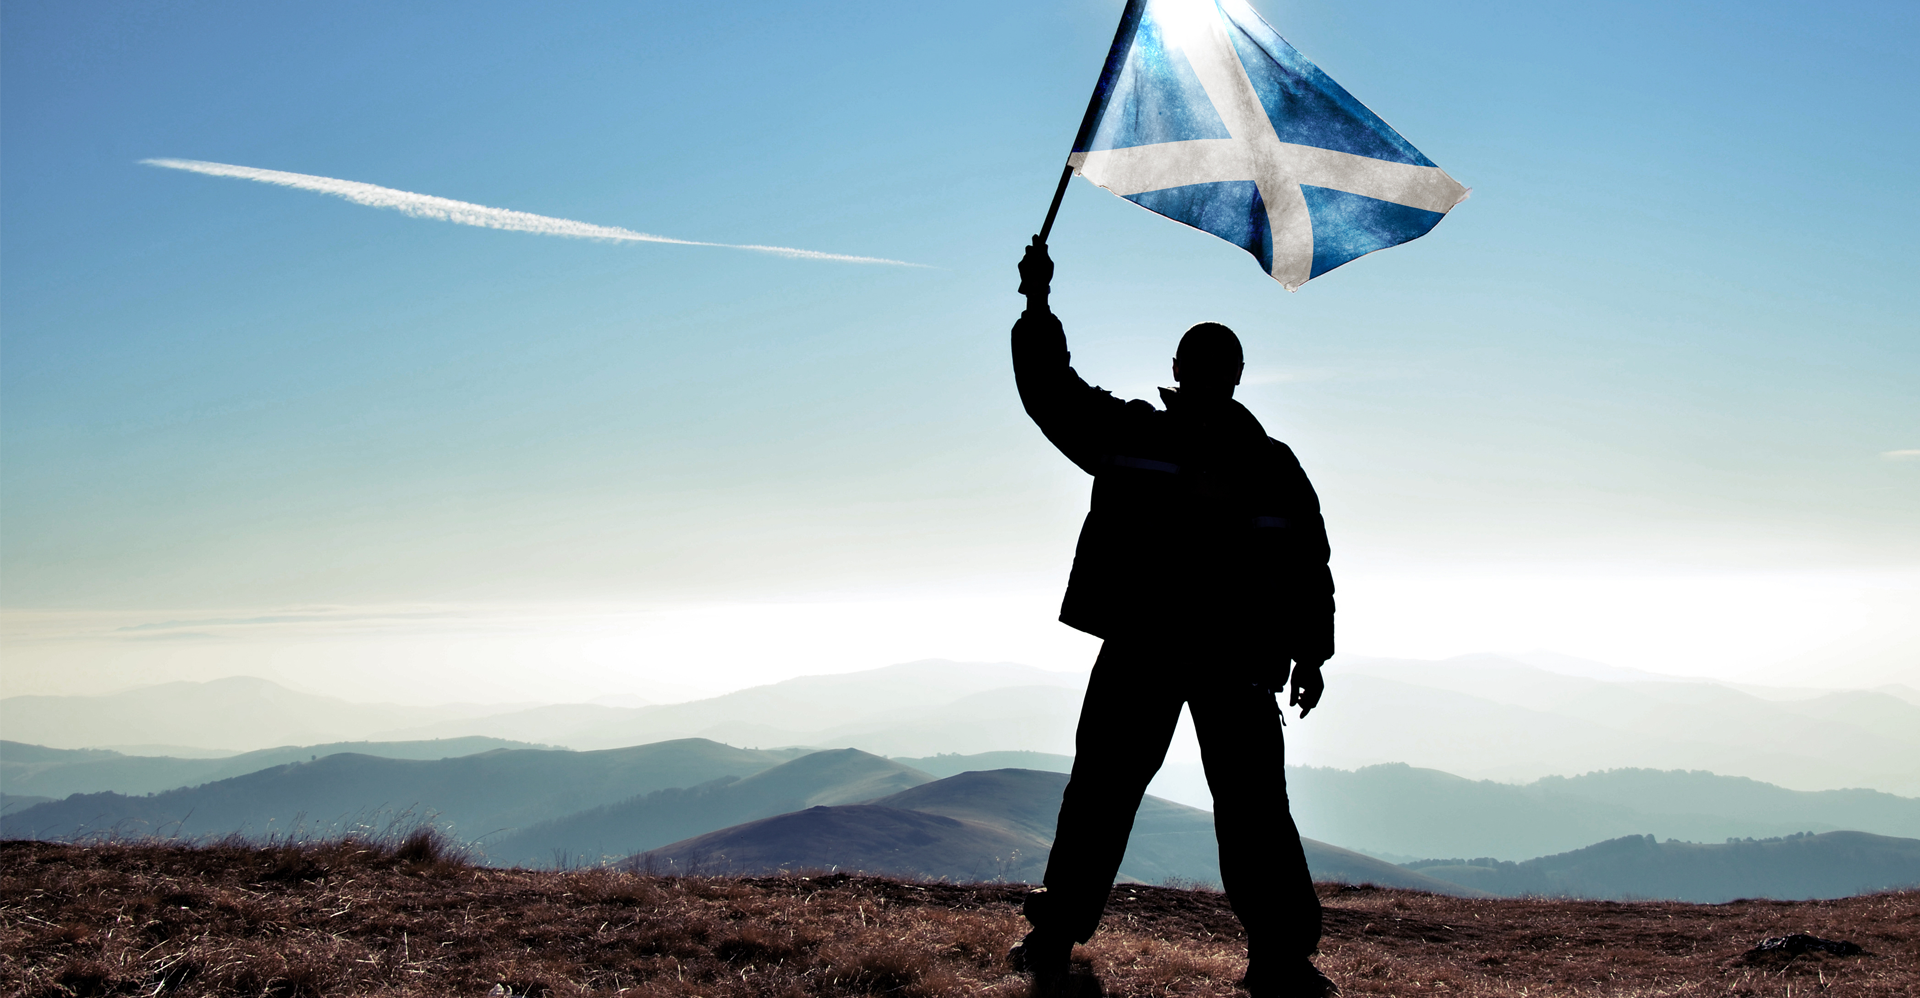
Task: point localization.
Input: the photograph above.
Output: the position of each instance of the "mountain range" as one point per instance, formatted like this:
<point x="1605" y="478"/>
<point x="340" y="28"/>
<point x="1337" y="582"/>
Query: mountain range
<point x="1402" y="812"/>
<point x="685" y="805"/>
<point x="618" y="830"/>
<point x="1477" y="716"/>
<point x="471" y="795"/>
<point x="596" y="803"/>
<point x="1828" y="865"/>
<point x="1488" y="717"/>
<point x="998" y="825"/>
<point x="51" y="772"/>
<point x="993" y="825"/>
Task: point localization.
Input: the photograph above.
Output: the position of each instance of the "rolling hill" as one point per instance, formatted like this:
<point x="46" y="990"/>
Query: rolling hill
<point x="50" y="772"/>
<point x="863" y="837"/>
<point x="986" y="825"/>
<point x="472" y="795"/>
<point x="1796" y="867"/>
<point x="1404" y="811"/>
<point x="614" y="831"/>
<point x="1477" y="716"/>
<point x="955" y="763"/>
<point x="10" y="803"/>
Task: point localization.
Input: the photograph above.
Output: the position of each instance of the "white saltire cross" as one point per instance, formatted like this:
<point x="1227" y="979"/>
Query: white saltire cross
<point x="1255" y="152"/>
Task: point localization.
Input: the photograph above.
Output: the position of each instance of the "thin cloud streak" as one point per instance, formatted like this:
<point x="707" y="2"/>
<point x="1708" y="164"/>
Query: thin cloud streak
<point x="482" y="216"/>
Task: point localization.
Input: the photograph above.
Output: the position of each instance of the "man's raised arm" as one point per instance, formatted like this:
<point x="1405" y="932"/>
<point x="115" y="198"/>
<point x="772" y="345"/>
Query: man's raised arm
<point x="1073" y="414"/>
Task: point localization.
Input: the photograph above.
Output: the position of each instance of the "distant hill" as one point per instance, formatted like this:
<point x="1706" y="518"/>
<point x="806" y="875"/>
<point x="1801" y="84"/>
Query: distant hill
<point x="1407" y="811"/>
<point x="615" y="831"/>
<point x="10" y="803"/>
<point x="916" y="708"/>
<point x="24" y="753"/>
<point x="239" y="713"/>
<point x="1797" y="867"/>
<point x="36" y="769"/>
<point x="1900" y="691"/>
<point x="994" y="825"/>
<point x="1392" y="811"/>
<point x="1477" y="716"/>
<point x="955" y="763"/>
<point x="1490" y="717"/>
<point x="474" y="795"/>
<point x="1677" y="792"/>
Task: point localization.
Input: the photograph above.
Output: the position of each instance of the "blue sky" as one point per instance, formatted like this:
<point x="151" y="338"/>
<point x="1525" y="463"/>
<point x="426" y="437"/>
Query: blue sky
<point x="1644" y="397"/>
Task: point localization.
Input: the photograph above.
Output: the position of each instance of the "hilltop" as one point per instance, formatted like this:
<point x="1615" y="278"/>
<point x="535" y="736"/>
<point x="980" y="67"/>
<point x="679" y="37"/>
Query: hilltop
<point x="360" y="918"/>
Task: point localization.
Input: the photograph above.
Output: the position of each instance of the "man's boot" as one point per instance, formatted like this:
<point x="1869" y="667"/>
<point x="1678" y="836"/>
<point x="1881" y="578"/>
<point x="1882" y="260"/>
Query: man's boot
<point x="1045" y="958"/>
<point x="1297" y="978"/>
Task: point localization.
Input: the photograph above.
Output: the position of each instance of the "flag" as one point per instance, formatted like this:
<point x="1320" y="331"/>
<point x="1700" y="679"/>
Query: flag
<point x="1206" y="115"/>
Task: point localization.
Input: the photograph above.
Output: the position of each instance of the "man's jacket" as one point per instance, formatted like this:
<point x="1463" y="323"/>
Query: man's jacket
<point x="1202" y="527"/>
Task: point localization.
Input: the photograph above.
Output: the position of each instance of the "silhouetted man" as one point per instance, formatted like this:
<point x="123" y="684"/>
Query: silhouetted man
<point x="1203" y="566"/>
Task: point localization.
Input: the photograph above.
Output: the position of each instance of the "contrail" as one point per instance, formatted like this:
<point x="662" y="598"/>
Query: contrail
<point x="464" y="213"/>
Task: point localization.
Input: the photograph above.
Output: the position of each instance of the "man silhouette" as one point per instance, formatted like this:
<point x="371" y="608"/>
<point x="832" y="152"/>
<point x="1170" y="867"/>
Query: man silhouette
<point x="1203" y="567"/>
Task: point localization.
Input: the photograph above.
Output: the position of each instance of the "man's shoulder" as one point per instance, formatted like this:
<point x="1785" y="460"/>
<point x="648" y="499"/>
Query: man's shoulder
<point x="1281" y="454"/>
<point x="1036" y="319"/>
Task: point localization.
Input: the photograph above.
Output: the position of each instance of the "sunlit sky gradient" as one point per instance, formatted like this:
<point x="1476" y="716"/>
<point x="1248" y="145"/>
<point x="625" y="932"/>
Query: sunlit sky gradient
<point x="1649" y="397"/>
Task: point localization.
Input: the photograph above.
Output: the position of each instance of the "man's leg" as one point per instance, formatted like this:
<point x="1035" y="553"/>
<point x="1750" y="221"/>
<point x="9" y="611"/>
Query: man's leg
<point x="1126" y="724"/>
<point x="1262" y="865"/>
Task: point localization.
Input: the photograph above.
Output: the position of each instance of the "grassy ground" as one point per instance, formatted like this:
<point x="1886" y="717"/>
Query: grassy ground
<point x="403" y="918"/>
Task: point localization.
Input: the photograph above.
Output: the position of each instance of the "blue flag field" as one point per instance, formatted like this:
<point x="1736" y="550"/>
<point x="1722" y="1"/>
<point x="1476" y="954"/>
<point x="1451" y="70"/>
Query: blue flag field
<point x="1206" y="115"/>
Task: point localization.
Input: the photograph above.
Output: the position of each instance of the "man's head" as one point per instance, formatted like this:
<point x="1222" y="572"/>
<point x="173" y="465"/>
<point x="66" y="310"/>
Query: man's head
<point x="1208" y="360"/>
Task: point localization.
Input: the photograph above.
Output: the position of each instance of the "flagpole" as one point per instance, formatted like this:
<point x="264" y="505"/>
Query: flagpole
<point x="1066" y="174"/>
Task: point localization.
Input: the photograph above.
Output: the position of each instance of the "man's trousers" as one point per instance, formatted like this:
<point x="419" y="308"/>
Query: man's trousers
<point x="1126" y="723"/>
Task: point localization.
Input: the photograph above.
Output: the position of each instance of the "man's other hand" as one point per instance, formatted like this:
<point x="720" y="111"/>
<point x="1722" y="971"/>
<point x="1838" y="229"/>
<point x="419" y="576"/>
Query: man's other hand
<point x="1036" y="270"/>
<point x="1305" y="687"/>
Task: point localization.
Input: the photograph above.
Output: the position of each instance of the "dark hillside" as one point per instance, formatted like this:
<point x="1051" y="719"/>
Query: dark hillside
<point x="1798" y="867"/>
<point x="474" y="794"/>
<point x="1020" y="799"/>
<point x="615" y="831"/>
<point x="1169" y="841"/>
<point x="353" y="919"/>
<point x="996" y="824"/>
<point x="929" y="846"/>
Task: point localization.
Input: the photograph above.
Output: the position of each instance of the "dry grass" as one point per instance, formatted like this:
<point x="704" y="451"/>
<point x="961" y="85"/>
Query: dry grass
<point x="404" y="918"/>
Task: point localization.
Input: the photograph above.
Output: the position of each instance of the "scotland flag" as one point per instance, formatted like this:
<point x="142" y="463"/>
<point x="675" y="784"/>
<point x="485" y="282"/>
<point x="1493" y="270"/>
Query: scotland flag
<point x="1206" y="115"/>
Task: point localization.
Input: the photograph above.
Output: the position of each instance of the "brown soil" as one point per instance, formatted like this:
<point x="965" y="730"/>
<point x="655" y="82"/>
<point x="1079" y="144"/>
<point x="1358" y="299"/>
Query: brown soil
<point x="406" y="919"/>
